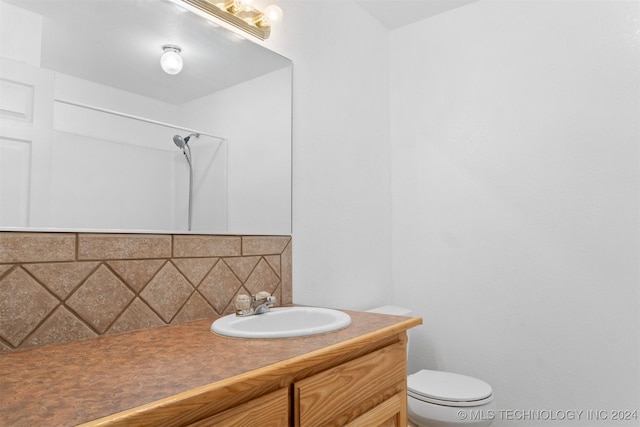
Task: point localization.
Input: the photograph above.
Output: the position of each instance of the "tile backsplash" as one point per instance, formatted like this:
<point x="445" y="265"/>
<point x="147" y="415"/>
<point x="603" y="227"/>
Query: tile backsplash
<point x="60" y="287"/>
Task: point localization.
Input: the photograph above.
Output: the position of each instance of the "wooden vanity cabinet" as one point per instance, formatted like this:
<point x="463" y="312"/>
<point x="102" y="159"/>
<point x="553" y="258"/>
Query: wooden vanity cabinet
<point x="367" y="391"/>
<point x="270" y="410"/>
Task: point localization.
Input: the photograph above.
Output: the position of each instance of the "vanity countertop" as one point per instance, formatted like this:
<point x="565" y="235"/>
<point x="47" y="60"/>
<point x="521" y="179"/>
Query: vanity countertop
<point x="141" y="371"/>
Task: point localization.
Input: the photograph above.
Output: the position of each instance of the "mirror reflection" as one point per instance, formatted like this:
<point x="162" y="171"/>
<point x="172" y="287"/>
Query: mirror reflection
<point x="95" y="135"/>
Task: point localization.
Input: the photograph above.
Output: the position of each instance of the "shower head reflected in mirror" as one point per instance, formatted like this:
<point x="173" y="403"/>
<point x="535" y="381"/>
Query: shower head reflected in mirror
<point x="179" y="141"/>
<point x="182" y="142"/>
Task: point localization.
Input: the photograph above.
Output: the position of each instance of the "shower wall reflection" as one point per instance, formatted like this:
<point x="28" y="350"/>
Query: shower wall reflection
<point x="113" y="172"/>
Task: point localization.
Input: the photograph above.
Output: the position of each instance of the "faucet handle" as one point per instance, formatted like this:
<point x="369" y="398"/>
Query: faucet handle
<point x="263" y="295"/>
<point x="243" y="302"/>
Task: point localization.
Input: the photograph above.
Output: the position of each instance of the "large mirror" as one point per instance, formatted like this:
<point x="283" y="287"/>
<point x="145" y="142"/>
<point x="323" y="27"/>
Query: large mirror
<point x="93" y="131"/>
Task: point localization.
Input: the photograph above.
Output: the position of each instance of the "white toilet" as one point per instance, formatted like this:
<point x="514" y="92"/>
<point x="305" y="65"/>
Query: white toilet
<point x="445" y="399"/>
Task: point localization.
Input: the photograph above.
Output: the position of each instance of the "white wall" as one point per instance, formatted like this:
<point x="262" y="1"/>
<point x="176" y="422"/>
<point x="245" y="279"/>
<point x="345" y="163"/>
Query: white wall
<point x="259" y="149"/>
<point x="341" y="168"/>
<point x="515" y="136"/>
<point x="27" y="47"/>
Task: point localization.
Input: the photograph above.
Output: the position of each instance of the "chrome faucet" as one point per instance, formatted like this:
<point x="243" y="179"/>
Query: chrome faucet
<point x="255" y="304"/>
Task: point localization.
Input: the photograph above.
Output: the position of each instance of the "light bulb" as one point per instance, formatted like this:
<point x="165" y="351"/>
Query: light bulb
<point x="273" y="13"/>
<point x="171" y="61"/>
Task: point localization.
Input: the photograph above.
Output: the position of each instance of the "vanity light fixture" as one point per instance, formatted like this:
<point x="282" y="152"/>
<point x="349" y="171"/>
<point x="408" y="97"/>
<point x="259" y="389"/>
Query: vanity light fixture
<point x="241" y="14"/>
<point x="171" y="61"/>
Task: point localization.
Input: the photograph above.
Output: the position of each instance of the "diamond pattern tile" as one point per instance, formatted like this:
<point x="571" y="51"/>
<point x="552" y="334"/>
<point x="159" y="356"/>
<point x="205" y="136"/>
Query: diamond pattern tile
<point x="219" y="286"/>
<point x="263" y="278"/>
<point x="61" y="277"/>
<point x="274" y="262"/>
<point x="109" y="283"/>
<point x="4" y="268"/>
<point x="60" y="327"/>
<point x="100" y="299"/>
<point x="167" y="292"/>
<point x="194" y="269"/>
<point x="137" y="316"/>
<point x="242" y="266"/>
<point x="195" y="308"/>
<point x="136" y="274"/>
<point x="29" y="304"/>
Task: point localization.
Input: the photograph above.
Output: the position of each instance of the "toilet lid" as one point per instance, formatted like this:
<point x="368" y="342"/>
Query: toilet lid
<point x="449" y="389"/>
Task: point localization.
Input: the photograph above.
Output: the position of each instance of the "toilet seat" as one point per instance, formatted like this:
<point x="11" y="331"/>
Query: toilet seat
<point x="448" y="389"/>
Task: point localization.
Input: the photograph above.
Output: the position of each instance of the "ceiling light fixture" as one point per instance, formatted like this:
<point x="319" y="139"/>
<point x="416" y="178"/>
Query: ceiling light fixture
<point x="171" y="61"/>
<point x="241" y="14"/>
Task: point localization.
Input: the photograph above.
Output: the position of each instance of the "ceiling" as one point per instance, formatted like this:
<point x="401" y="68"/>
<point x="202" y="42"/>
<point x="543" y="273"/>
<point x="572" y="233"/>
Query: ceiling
<point x="398" y="13"/>
<point x="118" y="43"/>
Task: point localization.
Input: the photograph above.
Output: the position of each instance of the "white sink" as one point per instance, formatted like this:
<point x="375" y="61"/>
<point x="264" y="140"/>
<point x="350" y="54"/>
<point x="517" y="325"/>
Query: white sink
<point x="282" y="322"/>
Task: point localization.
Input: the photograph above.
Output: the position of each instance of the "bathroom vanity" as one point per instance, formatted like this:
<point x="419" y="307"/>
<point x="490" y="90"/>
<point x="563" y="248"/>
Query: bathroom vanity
<point x="184" y="375"/>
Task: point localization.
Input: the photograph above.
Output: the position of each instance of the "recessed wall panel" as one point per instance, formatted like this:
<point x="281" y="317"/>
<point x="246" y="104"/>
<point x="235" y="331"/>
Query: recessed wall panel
<point x="15" y="160"/>
<point x="16" y="101"/>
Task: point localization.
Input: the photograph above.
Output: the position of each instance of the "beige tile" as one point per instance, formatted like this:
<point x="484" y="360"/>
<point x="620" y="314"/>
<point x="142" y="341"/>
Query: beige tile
<point x="100" y="299"/>
<point x="194" y="269"/>
<point x="264" y="245"/>
<point x="60" y="327"/>
<point x="219" y="286"/>
<point x="137" y="316"/>
<point x="287" y="274"/>
<point x="242" y="266"/>
<point x="262" y="278"/>
<point x="100" y="296"/>
<point x="37" y="247"/>
<point x="274" y="262"/>
<point x="185" y="246"/>
<point x="24" y="303"/>
<point x="123" y="246"/>
<point x="61" y="277"/>
<point x="4" y="268"/>
<point x="167" y="292"/>
<point x="196" y="308"/>
<point x="137" y="274"/>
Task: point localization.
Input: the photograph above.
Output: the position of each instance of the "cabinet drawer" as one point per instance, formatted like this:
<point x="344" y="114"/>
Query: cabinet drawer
<point x="270" y="410"/>
<point x="341" y="394"/>
<point x="386" y="414"/>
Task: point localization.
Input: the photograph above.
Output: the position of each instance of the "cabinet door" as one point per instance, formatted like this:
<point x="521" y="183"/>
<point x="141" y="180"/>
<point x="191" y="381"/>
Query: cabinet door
<point x="270" y="410"/>
<point x="348" y="392"/>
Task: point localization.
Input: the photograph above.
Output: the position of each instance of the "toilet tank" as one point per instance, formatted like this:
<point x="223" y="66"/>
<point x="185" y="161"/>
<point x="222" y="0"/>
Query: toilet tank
<point x="392" y="309"/>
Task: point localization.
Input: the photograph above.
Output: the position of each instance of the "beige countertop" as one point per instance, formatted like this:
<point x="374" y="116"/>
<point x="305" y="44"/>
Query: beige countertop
<point x="82" y="381"/>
